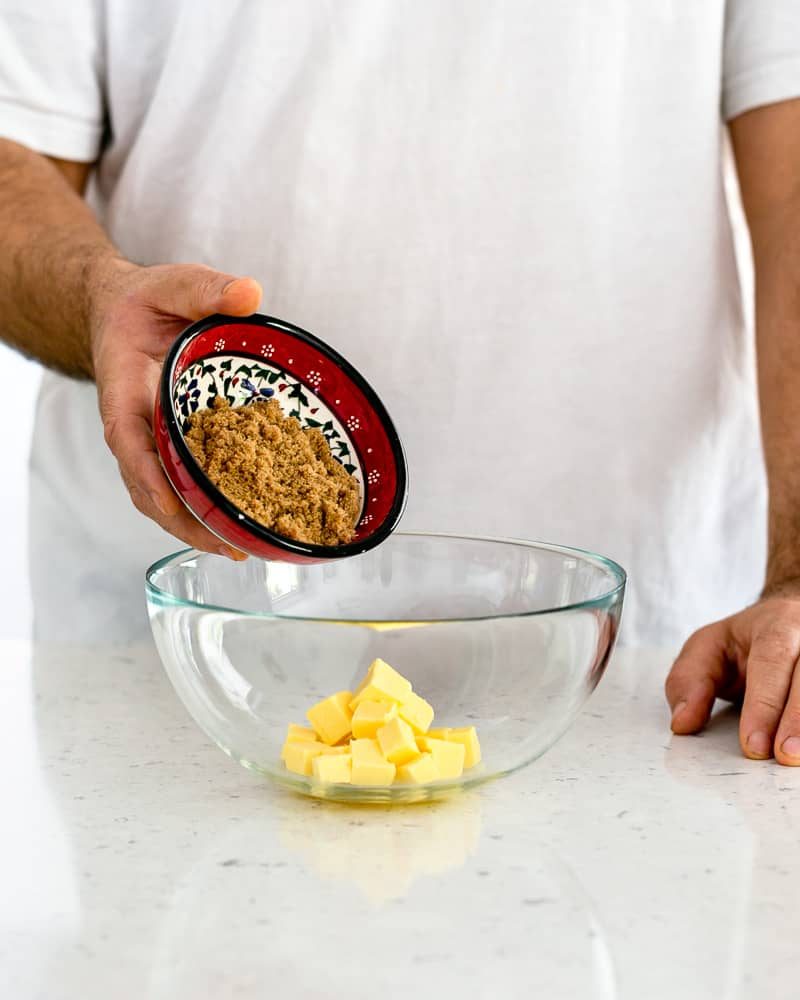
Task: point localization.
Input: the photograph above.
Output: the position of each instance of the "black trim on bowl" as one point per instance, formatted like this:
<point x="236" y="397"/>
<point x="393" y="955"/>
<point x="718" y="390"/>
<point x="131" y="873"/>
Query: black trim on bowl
<point x="219" y="499"/>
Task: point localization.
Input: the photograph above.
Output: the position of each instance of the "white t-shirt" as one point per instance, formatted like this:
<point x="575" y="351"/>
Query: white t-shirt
<point x="510" y="216"/>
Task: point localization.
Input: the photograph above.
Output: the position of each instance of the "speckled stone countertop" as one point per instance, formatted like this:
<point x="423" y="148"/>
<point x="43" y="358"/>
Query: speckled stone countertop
<point x="139" y="862"/>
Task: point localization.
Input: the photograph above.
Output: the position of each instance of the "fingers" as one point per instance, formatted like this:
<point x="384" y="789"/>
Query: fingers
<point x="240" y="297"/>
<point x="150" y="490"/>
<point x="770" y="665"/>
<point x="699" y="674"/>
<point x="130" y="439"/>
<point x="125" y="408"/>
<point x="127" y="348"/>
<point x="787" y="739"/>
<point x="193" y="292"/>
<point x="713" y="664"/>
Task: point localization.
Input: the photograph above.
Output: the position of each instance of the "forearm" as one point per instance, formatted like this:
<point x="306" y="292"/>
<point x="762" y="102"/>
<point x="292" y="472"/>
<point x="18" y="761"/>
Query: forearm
<point x="767" y="146"/>
<point x="52" y="258"/>
<point x="778" y="347"/>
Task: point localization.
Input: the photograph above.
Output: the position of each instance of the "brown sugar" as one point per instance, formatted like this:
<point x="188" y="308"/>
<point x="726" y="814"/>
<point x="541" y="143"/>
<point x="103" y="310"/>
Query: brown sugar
<point x="279" y="473"/>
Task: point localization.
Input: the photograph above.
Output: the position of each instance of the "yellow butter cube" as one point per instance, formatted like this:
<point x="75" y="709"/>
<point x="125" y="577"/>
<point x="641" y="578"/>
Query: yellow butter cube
<point x="379" y="733"/>
<point x="397" y="742"/>
<point x="438" y="734"/>
<point x="417" y="713"/>
<point x="382" y="683"/>
<point x="420" y="770"/>
<point x="369" y="716"/>
<point x="298" y="755"/>
<point x="448" y="757"/>
<point x="294" y="733"/>
<point x="333" y="768"/>
<point x="472" y="747"/>
<point x="370" y="767"/>
<point x="298" y="734"/>
<point x="331" y="718"/>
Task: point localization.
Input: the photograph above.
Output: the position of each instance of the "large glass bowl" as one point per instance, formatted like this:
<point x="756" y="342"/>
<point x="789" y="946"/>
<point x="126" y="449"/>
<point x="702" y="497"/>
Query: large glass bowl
<point x="508" y="636"/>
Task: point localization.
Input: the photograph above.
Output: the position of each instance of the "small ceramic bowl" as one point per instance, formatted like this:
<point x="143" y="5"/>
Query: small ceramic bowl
<point x="259" y="357"/>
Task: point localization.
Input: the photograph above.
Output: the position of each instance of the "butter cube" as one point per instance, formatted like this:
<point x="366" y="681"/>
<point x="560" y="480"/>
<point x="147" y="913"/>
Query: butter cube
<point x="331" y="718"/>
<point x="439" y="734"/>
<point x="469" y="738"/>
<point x="369" y="716"/>
<point x="397" y="742"/>
<point x="333" y="768"/>
<point x="379" y="733"/>
<point x="419" y="771"/>
<point x="298" y="756"/>
<point x="382" y="683"/>
<point x="295" y="732"/>
<point x="370" y="767"/>
<point x="448" y="757"/>
<point x="298" y="734"/>
<point x="417" y="713"/>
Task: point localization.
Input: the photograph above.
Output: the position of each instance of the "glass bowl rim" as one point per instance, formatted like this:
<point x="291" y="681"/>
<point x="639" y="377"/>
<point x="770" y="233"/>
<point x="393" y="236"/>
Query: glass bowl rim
<point x="154" y="591"/>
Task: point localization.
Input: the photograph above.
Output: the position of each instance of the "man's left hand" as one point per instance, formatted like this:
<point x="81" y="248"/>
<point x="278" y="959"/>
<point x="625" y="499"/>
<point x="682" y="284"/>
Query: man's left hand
<point x="752" y="658"/>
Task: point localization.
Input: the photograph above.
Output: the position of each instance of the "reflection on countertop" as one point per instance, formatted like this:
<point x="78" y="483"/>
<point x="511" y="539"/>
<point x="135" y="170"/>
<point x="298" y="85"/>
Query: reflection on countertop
<point x="380" y="850"/>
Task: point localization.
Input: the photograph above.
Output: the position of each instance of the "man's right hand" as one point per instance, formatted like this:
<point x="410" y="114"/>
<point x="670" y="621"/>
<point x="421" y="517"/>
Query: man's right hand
<point x="69" y="299"/>
<point x="135" y="313"/>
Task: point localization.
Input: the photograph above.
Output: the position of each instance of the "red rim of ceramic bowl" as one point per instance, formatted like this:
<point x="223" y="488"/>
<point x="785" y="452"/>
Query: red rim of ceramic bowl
<point x="241" y="520"/>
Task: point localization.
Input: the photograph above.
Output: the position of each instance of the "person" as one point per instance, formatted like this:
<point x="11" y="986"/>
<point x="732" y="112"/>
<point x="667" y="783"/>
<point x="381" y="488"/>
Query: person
<point x="512" y="217"/>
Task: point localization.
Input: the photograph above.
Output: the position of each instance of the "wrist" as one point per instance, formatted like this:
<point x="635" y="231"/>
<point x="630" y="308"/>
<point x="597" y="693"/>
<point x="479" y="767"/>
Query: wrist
<point x="783" y="543"/>
<point x="106" y="276"/>
<point x="782" y="577"/>
<point x="785" y="587"/>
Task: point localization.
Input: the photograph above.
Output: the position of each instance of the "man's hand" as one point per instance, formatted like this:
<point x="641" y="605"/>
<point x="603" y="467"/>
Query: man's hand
<point x="750" y="657"/>
<point x="135" y="314"/>
<point x="69" y="299"/>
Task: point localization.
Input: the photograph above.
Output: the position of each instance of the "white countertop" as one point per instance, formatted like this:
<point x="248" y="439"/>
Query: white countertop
<point x="136" y="861"/>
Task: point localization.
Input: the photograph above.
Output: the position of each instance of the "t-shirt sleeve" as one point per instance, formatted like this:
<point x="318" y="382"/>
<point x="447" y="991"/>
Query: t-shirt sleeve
<point x="51" y="76"/>
<point x="761" y="63"/>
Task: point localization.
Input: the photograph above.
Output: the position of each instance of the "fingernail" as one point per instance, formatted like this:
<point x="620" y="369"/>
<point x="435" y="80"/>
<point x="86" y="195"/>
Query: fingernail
<point x="791" y="746"/>
<point x="229" y="553"/>
<point x="227" y="288"/>
<point x="678" y="709"/>
<point x="759" y="745"/>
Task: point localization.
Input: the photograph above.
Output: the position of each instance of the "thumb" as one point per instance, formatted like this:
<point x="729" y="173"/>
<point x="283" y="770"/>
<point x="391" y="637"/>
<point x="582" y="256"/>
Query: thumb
<point x="193" y="291"/>
<point x="697" y="676"/>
